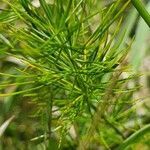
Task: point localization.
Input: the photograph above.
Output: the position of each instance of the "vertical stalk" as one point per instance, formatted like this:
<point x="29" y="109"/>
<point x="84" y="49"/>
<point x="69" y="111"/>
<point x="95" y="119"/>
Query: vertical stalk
<point x="141" y="10"/>
<point x="49" y="111"/>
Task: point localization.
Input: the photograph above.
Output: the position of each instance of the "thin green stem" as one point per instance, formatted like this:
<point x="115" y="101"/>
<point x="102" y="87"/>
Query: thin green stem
<point x="142" y="11"/>
<point x="134" y="137"/>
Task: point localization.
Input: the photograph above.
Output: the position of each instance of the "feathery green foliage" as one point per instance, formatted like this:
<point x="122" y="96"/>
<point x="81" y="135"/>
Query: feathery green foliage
<point x="71" y="68"/>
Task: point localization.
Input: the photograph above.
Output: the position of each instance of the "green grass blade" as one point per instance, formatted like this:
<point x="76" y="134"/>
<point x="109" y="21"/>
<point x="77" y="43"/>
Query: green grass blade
<point x="135" y="137"/>
<point x="142" y="11"/>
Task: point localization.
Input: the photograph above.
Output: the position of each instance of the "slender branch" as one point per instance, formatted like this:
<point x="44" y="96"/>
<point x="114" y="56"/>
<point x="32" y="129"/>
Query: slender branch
<point x="114" y="127"/>
<point x="142" y="11"/>
<point x="134" y="137"/>
<point x="49" y="107"/>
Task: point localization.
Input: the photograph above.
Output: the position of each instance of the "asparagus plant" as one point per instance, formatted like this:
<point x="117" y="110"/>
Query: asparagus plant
<point x="71" y="68"/>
